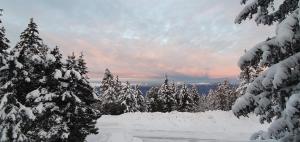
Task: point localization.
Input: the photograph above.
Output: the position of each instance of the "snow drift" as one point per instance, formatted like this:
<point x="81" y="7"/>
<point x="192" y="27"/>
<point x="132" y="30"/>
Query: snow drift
<point x="176" y="126"/>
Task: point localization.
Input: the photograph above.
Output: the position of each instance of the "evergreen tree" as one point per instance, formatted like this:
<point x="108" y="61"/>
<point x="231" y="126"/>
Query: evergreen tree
<point x="118" y="85"/>
<point x="166" y="95"/>
<point x="42" y="100"/>
<point x="82" y="64"/>
<point x="274" y="94"/>
<point x="71" y="62"/>
<point x="77" y="96"/>
<point x="58" y="58"/>
<point x="4" y="45"/>
<point x="3" y="40"/>
<point x="110" y="95"/>
<point x="202" y="103"/>
<point x="132" y="99"/>
<point x="107" y="81"/>
<point x="154" y="103"/>
<point x="141" y="102"/>
<point x="195" y="99"/>
<point x="187" y="100"/>
<point x="247" y="75"/>
<point x="210" y="100"/>
<point x="222" y="98"/>
<point x="128" y="98"/>
<point x="25" y="73"/>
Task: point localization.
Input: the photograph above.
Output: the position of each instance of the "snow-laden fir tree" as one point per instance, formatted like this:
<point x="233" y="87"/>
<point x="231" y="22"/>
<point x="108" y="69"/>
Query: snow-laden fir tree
<point x="128" y="99"/>
<point x="132" y="99"/>
<point x="107" y="81"/>
<point x="141" y="102"/>
<point x="195" y="97"/>
<point x="3" y="46"/>
<point x="154" y="103"/>
<point x="210" y="99"/>
<point x="82" y="64"/>
<point x="25" y="69"/>
<point x="247" y="75"/>
<point x="274" y="94"/>
<point x="202" y="103"/>
<point x="41" y="101"/>
<point x="76" y="99"/>
<point x="110" y="91"/>
<point x="118" y="85"/>
<point x="188" y="99"/>
<point x="221" y="98"/>
<point x="167" y="96"/>
<point x="218" y="97"/>
<point x="3" y="40"/>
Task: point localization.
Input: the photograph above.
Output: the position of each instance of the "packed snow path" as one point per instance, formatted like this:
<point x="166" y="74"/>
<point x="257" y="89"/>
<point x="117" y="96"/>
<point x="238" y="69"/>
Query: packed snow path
<point x="211" y="126"/>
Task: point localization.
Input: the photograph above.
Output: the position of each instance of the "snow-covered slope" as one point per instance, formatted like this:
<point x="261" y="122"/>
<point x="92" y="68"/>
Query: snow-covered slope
<point x="176" y="127"/>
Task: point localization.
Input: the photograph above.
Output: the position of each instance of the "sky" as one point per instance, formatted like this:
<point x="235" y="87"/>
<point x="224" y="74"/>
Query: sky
<point x="142" y="40"/>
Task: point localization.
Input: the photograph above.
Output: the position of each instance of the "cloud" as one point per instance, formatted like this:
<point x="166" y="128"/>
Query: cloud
<point x="143" y="39"/>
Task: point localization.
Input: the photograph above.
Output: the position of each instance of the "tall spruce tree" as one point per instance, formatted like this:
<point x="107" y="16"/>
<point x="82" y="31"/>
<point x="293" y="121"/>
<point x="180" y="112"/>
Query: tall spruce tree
<point x="110" y="89"/>
<point x="166" y="95"/>
<point x="3" y="40"/>
<point x="154" y="102"/>
<point x="77" y="96"/>
<point x="141" y="102"/>
<point x="221" y="98"/>
<point x="4" y="45"/>
<point x="195" y="99"/>
<point x="274" y="94"/>
<point x="82" y="64"/>
<point x="25" y="71"/>
<point x="41" y="99"/>
<point x="132" y="99"/>
<point x="128" y="98"/>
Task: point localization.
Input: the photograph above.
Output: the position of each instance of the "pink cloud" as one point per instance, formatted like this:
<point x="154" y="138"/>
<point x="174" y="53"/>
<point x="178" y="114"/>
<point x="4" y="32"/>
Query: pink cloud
<point x="143" y="59"/>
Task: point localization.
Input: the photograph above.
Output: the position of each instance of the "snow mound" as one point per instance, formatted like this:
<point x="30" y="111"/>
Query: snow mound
<point x="176" y="126"/>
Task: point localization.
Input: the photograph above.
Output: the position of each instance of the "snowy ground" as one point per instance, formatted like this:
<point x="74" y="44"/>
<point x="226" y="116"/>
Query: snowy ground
<point x="212" y="126"/>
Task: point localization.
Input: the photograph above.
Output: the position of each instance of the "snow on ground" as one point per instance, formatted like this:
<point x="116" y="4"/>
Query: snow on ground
<point x="211" y="126"/>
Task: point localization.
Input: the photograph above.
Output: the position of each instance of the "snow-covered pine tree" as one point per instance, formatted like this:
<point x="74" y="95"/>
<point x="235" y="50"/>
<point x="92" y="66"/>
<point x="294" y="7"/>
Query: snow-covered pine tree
<point x="3" y="44"/>
<point x="50" y="124"/>
<point x="3" y="40"/>
<point x="187" y="100"/>
<point x="128" y="98"/>
<point x="219" y="97"/>
<point x="222" y="97"/>
<point x="132" y="99"/>
<point x="141" y="102"/>
<point x="274" y="94"/>
<point x="154" y="103"/>
<point x="202" y="103"/>
<point x="71" y="62"/>
<point x="25" y="73"/>
<point x="76" y="99"/>
<point x="210" y="100"/>
<point x="194" y="95"/>
<point x="58" y="58"/>
<point x="82" y="64"/>
<point x="35" y="105"/>
<point x="118" y="85"/>
<point x="247" y="75"/>
<point x="107" y="81"/>
<point x="166" y="95"/>
<point x="110" y="90"/>
<point x="231" y="96"/>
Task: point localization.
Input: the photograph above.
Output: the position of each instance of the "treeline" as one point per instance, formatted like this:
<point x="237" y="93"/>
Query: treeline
<point x="116" y="97"/>
<point x="43" y="97"/>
